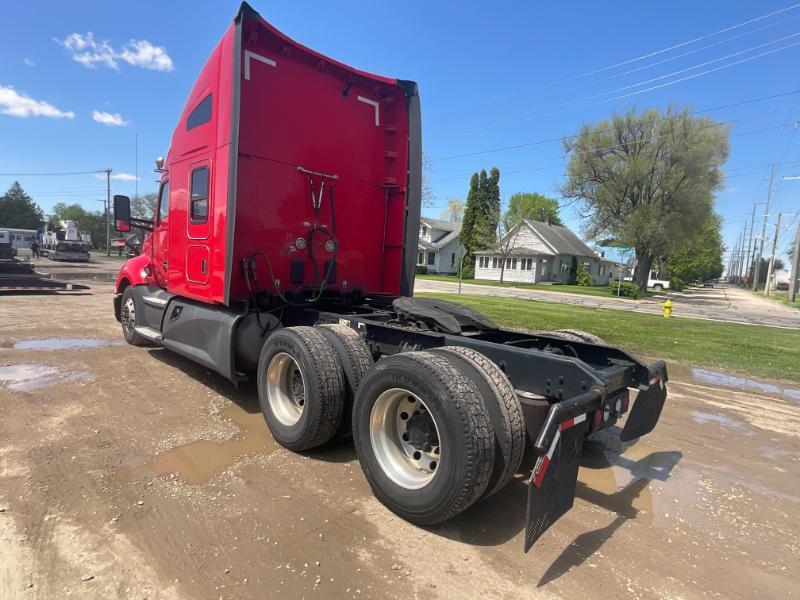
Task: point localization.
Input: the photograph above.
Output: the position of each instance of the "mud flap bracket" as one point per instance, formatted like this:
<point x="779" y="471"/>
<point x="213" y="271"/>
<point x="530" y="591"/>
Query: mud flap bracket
<point x="648" y="404"/>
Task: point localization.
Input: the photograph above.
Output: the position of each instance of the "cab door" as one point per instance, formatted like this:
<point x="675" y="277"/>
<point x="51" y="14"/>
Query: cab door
<point x="199" y="225"/>
<point x="160" y="255"/>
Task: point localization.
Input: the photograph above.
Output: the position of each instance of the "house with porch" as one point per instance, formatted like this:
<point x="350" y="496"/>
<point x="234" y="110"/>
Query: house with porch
<point x="535" y="252"/>
<point x="439" y="247"/>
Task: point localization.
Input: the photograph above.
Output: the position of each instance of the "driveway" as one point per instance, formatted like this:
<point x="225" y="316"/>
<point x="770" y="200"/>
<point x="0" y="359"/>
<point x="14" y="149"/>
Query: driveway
<point x="720" y="303"/>
<point x="133" y="473"/>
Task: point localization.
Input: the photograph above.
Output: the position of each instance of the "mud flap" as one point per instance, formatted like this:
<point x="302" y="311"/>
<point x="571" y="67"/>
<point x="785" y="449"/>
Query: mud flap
<point x="648" y="405"/>
<point x="551" y="490"/>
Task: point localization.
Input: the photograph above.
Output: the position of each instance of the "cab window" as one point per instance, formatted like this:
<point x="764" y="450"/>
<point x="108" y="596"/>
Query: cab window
<point x="163" y="203"/>
<point x="199" y="199"/>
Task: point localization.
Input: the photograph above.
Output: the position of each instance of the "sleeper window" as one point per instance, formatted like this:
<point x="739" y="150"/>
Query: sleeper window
<point x="199" y="209"/>
<point x="200" y="115"/>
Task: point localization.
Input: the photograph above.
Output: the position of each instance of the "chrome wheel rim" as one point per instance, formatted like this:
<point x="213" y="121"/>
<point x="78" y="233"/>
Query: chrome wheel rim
<point x="286" y="389"/>
<point x="128" y="315"/>
<point x="405" y="438"/>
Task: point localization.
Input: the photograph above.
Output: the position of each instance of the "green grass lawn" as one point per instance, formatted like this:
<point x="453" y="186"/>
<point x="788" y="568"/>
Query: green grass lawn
<point x="767" y="352"/>
<point x="595" y="290"/>
<point x="781" y="296"/>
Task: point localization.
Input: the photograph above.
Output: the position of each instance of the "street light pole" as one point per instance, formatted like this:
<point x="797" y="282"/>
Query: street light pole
<point x="763" y="232"/>
<point x="772" y="256"/>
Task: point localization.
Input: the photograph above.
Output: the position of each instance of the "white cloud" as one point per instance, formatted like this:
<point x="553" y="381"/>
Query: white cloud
<point x="138" y="53"/>
<point x="29" y="61"/>
<point x="107" y="118"/>
<point x="141" y="53"/>
<point x="118" y="176"/>
<point x="16" y="104"/>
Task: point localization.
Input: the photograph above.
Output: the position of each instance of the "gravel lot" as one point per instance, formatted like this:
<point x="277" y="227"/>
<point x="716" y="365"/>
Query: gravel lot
<point x="132" y="473"/>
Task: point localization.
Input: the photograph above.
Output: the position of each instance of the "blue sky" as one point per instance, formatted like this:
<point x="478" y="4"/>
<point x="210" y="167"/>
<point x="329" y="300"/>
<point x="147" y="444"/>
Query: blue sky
<point x="490" y="75"/>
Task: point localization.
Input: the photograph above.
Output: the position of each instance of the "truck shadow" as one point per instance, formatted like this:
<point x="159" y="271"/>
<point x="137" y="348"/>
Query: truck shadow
<point x="245" y="396"/>
<point x="498" y="519"/>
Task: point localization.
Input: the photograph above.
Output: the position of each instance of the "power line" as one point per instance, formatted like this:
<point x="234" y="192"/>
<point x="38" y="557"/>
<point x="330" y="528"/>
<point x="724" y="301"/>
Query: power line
<point x="629" y="61"/>
<point x="561" y="138"/>
<point x="51" y="174"/>
<point x="543" y="110"/>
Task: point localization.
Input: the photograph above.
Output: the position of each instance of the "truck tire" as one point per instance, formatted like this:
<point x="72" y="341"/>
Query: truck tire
<point x="578" y="335"/>
<point x="128" y="316"/>
<point x="422" y="436"/>
<point x="300" y="387"/>
<point x="356" y="360"/>
<point x="503" y="407"/>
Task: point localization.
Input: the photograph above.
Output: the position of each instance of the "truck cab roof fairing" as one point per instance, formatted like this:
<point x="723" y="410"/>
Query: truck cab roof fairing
<point x="293" y="110"/>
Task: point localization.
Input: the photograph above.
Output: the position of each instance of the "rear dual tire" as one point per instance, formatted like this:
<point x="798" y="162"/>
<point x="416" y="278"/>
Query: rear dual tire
<point x="423" y="437"/>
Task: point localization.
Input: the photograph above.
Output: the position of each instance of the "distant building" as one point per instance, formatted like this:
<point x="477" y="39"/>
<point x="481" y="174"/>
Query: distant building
<point x="541" y="253"/>
<point x="439" y="246"/>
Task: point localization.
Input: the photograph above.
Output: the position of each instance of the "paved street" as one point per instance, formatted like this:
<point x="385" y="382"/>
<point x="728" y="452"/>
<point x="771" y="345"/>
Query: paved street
<point x="721" y="303"/>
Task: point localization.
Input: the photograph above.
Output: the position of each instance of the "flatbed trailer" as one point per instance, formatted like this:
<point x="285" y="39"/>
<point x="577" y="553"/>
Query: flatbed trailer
<point x="283" y="248"/>
<point x="21" y="277"/>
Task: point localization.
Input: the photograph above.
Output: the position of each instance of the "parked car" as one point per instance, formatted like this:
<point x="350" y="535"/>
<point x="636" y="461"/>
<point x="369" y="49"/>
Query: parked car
<point x="709" y="283"/>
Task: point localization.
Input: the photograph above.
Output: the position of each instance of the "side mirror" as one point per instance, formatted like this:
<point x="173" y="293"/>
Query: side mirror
<point x="122" y="213"/>
<point x="160" y="164"/>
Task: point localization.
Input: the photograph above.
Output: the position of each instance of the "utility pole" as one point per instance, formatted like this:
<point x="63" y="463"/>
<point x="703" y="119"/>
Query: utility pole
<point x="756" y="273"/>
<point x="795" y="272"/>
<point x="751" y="243"/>
<point x="772" y="256"/>
<point x="108" y="204"/>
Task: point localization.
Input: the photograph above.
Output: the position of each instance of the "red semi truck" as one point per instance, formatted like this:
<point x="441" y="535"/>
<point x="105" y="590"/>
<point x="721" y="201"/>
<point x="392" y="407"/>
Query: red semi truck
<point x="283" y="249"/>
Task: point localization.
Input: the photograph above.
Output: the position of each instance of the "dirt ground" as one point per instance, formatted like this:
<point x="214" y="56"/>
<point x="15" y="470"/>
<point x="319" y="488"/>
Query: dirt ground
<point x="132" y="473"/>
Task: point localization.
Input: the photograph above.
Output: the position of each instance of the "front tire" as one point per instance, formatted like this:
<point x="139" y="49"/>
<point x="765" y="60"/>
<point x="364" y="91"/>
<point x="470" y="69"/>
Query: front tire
<point x="128" y="319"/>
<point x="422" y="436"/>
<point x="301" y="388"/>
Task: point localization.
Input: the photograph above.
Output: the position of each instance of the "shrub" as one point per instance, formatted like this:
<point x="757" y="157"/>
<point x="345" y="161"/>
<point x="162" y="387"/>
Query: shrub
<point x="582" y="277"/>
<point x="626" y="288"/>
<point x="676" y="284"/>
<point x="422" y="270"/>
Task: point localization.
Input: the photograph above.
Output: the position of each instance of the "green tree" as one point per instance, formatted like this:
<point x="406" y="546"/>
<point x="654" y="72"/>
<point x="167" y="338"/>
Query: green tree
<point x="18" y="210"/>
<point x="481" y="215"/>
<point x="700" y="257"/>
<point x="92" y="222"/>
<point x="143" y="206"/>
<point x="534" y="207"/>
<point x="582" y="277"/>
<point x="646" y="180"/>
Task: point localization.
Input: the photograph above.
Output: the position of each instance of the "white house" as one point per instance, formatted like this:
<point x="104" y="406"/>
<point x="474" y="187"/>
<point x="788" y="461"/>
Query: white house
<point x="537" y="252"/>
<point x="439" y="246"/>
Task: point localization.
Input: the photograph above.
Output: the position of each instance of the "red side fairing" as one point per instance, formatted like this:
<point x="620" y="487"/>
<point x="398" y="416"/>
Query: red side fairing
<point x="300" y="111"/>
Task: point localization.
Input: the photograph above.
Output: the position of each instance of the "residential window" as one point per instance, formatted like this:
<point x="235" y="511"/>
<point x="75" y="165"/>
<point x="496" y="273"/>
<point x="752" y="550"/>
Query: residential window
<point x="453" y="259"/>
<point x="528" y="264"/>
<point x="564" y="267"/>
<point x="514" y="263"/>
<point x="494" y="262"/>
<point x="200" y="115"/>
<point x="424" y="231"/>
<point x="199" y="204"/>
<point x="421" y="258"/>
<point x="480" y="262"/>
<point x="431" y="258"/>
<point x="163" y="203"/>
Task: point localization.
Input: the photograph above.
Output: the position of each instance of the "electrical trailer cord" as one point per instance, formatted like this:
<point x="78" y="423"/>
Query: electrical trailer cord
<point x="249" y="263"/>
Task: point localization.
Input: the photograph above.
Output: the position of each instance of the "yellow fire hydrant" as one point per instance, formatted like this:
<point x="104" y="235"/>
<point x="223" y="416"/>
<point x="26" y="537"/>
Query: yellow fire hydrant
<point x="668" y="309"/>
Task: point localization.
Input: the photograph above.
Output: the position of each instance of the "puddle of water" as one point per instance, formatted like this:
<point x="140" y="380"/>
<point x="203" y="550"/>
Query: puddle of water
<point x="739" y="382"/>
<point x="29" y="377"/>
<point x="199" y="461"/>
<point x="65" y="344"/>
<point x="718" y="418"/>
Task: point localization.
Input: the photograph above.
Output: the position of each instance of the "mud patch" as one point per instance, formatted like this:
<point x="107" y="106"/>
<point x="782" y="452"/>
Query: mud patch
<point x="65" y="344"/>
<point x="29" y="377"/>
<point x="718" y="418"/>
<point x="199" y="461"/>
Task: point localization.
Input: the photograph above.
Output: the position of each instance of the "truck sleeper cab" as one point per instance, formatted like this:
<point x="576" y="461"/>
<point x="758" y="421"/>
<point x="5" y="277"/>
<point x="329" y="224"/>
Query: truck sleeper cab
<point x="283" y="248"/>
